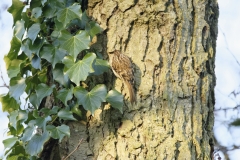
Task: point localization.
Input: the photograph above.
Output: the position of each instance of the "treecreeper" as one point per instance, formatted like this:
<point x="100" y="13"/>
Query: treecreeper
<point x="123" y="69"/>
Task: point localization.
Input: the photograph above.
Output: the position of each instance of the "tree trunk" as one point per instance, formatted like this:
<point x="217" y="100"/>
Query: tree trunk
<point x="172" y="45"/>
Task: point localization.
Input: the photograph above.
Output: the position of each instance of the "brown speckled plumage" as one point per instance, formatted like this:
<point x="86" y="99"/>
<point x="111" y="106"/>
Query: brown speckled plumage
<point x="122" y="68"/>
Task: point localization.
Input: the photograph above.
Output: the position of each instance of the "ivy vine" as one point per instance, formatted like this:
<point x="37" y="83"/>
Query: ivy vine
<point x="51" y="39"/>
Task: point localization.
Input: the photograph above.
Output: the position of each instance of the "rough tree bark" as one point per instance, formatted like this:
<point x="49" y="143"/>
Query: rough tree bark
<point x="172" y="45"/>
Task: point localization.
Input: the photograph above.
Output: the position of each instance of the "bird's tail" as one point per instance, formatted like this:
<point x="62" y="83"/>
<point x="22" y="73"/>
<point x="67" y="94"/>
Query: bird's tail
<point x="131" y="92"/>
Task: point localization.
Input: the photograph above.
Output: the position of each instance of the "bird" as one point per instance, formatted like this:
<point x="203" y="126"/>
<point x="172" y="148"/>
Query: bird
<point x="123" y="69"/>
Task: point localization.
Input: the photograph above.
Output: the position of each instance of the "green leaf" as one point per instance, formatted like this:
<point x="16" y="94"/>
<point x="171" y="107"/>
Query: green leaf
<point x="100" y="66"/>
<point x="25" y="47"/>
<point x="33" y="31"/>
<point x="67" y="14"/>
<point x="19" y="29"/>
<point x="91" y="100"/>
<point x="13" y="119"/>
<point x="35" y="3"/>
<point x="115" y="99"/>
<point x="60" y="4"/>
<point x="8" y="143"/>
<point x="32" y="82"/>
<point x="68" y="61"/>
<point x="16" y="10"/>
<point x="42" y="121"/>
<point x="48" y="112"/>
<point x="59" y="27"/>
<point x="65" y="95"/>
<point x="22" y="116"/>
<point x="93" y="28"/>
<point x="35" y="145"/>
<point x="36" y="12"/>
<point x="59" y="132"/>
<point x="42" y="75"/>
<point x="15" y="47"/>
<point x="74" y="44"/>
<point x="43" y="90"/>
<point x="65" y="114"/>
<point x="59" y="76"/>
<point x="17" y="87"/>
<point x="28" y="132"/>
<point x="75" y="109"/>
<point x="48" y="11"/>
<point x="34" y="100"/>
<point x="52" y="54"/>
<point x="27" y="19"/>
<point x="84" y="19"/>
<point x="36" y="62"/>
<point x="18" y="153"/>
<point x="19" y="129"/>
<point x="9" y="104"/>
<point x="79" y="71"/>
<point x="13" y="66"/>
<point x="43" y="2"/>
<point x="36" y="46"/>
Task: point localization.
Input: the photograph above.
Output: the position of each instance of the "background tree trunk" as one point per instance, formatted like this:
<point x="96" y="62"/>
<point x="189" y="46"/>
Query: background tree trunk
<point x="172" y="45"/>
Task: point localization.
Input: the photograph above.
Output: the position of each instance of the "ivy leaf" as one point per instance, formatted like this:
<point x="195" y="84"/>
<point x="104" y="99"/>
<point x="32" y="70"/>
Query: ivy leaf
<point x="18" y="152"/>
<point x="59" y="27"/>
<point x="8" y="143"/>
<point x="59" y="132"/>
<point x="9" y="104"/>
<point x="115" y="99"/>
<point x="13" y="119"/>
<point x="48" y="11"/>
<point x="22" y="116"/>
<point x="42" y="75"/>
<point x="32" y="82"/>
<point x="16" y="10"/>
<point x="64" y="95"/>
<point x="59" y="76"/>
<point x="74" y="44"/>
<point x="75" y="109"/>
<point x="36" y="62"/>
<point x="52" y="54"/>
<point x="28" y="132"/>
<point x="35" y="145"/>
<point x="36" y="12"/>
<point x="13" y="66"/>
<point x="35" y="3"/>
<point x="36" y="46"/>
<point x="68" y="62"/>
<point x="42" y="121"/>
<point x="17" y="87"/>
<point x="67" y="14"/>
<point x="48" y="112"/>
<point x="65" y="115"/>
<point x="34" y="100"/>
<point x="25" y="47"/>
<point x="91" y="100"/>
<point x="28" y="48"/>
<point x="100" y="66"/>
<point x="84" y="20"/>
<point x="80" y="70"/>
<point x="43" y="2"/>
<point x="19" y="29"/>
<point x="15" y="47"/>
<point x="93" y="28"/>
<point x="33" y="31"/>
<point x="43" y="90"/>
